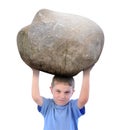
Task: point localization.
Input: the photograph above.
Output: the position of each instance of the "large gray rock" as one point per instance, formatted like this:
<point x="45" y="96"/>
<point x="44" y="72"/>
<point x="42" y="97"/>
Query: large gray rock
<point x="60" y="43"/>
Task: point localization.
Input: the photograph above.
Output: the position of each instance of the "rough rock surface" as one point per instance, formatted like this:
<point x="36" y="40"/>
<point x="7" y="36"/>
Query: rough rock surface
<point x="60" y="43"/>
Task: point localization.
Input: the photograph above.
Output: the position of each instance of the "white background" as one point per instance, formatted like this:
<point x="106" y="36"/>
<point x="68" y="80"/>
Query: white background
<point x="17" y="109"/>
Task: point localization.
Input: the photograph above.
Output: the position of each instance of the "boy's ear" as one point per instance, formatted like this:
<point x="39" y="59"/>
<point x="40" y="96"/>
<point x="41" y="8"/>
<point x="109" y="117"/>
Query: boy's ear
<point x="73" y="90"/>
<point x="51" y="88"/>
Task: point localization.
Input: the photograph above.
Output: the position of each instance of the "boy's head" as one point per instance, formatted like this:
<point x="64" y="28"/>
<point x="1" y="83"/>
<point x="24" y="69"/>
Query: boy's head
<point x="62" y="89"/>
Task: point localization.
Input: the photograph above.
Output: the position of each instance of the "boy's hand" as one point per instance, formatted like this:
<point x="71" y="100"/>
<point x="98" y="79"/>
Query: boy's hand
<point x="35" y="70"/>
<point x="87" y="71"/>
<point x="89" y="68"/>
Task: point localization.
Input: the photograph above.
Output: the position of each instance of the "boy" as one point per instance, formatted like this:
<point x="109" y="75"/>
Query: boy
<point x="61" y="113"/>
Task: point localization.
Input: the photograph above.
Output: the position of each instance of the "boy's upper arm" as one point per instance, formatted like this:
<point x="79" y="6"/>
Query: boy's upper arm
<point x="78" y="111"/>
<point x="46" y="105"/>
<point x="40" y="104"/>
<point x="81" y="108"/>
<point x="80" y="104"/>
<point x="40" y="101"/>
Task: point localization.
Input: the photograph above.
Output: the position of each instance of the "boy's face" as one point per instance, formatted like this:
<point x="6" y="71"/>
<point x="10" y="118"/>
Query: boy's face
<point x="62" y="93"/>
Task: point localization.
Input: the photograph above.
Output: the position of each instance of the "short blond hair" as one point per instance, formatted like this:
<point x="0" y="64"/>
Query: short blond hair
<point x="69" y="80"/>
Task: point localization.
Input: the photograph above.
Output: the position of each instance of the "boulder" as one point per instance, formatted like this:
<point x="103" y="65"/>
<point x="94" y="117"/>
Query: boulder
<point x="60" y="43"/>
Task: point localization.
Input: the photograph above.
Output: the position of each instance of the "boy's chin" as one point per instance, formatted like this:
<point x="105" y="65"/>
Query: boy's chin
<point x="61" y="103"/>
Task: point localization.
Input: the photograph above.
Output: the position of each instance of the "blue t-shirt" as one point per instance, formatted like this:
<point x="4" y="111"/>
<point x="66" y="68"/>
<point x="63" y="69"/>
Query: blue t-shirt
<point x="60" y="117"/>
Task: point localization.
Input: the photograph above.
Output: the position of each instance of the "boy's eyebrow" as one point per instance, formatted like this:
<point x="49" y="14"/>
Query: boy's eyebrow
<point x="58" y="90"/>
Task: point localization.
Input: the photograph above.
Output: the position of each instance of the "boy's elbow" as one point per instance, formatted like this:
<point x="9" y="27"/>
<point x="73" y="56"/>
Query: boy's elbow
<point x="34" y="98"/>
<point x="82" y="102"/>
<point x="37" y="99"/>
<point x="85" y="100"/>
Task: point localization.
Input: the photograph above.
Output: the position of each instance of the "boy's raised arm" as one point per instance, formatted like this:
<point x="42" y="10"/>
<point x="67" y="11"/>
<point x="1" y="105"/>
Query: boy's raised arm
<point x="84" y="93"/>
<point x="35" y="88"/>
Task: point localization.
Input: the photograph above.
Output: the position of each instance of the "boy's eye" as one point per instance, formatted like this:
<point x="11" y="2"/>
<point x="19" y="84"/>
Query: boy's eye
<point x="67" y="92"/>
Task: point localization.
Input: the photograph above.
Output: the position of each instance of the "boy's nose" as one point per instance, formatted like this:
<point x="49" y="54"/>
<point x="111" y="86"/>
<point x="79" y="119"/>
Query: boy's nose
<point x="62" y="95"/>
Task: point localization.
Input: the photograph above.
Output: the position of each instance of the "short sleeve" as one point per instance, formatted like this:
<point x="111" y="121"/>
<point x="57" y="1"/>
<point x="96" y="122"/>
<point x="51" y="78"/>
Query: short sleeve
<point x="45" y="106"/>
<point x="82" y="110"/>
<point x="76" y="111"/>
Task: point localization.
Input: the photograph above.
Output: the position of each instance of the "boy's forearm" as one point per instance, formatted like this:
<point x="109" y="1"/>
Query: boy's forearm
<point x="35" y="86"/>
<point x="86" y="84"/>
<point x="84" y="93"/>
